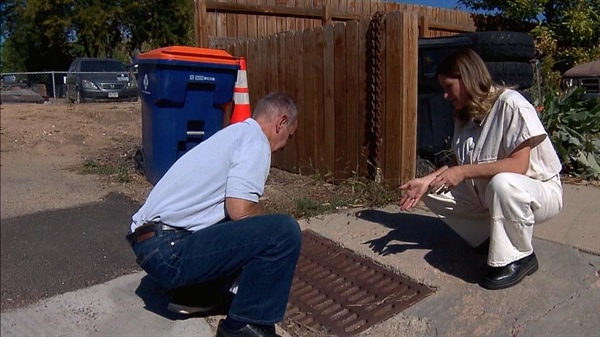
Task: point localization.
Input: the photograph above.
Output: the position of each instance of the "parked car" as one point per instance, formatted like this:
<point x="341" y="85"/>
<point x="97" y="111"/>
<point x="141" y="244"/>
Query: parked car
<point x="507" y="56"/>
<point x="586" y="76"/>
<point x="100" y="79"/>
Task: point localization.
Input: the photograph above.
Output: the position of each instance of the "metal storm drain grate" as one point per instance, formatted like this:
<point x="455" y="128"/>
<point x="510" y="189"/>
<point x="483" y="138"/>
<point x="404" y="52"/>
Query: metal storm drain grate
<point x="337" y="292"/>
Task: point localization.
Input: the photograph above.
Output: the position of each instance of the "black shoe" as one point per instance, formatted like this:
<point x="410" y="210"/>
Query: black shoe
<point x="248" y="330"/>
<point x="197" y="299"/>
<point x="511" y="274"/>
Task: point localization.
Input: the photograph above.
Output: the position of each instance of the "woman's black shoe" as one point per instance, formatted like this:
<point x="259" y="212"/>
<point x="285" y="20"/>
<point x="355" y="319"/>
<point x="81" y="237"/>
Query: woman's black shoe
<point x="247" y="330"/>
<point x="511" y="274"/>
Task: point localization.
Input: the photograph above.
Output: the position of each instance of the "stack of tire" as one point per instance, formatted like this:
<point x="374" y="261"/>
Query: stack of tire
<point x="507" y="56"/>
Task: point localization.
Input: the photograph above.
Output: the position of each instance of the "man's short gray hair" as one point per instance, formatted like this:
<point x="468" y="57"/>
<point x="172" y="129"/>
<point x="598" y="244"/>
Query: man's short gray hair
<point x="275" y="104"/>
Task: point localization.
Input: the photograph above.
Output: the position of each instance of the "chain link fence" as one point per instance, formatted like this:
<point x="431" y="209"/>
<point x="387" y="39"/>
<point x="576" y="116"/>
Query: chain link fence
<point x="52" y="85"/>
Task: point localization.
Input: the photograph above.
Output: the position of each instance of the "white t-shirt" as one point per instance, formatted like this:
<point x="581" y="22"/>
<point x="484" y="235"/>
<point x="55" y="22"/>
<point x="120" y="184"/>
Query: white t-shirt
<point x="234" y="162"/>
<point x="511" y="121"/>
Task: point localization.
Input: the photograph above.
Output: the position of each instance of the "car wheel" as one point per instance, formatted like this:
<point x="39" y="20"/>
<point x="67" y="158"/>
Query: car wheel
<point x="503" y="46"/>
<point x="68" y="96"/>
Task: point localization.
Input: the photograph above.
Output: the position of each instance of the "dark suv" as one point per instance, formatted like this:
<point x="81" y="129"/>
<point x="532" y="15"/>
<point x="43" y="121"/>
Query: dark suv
<point x="508" y="57"/>
<point x="100" y="79"/>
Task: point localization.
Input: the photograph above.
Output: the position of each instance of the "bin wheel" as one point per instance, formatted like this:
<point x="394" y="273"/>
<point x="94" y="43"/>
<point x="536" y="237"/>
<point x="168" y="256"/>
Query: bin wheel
<point x="139" y="161"/>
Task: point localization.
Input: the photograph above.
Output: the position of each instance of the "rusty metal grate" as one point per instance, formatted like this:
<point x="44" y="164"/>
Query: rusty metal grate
<point x="338" y="292"/>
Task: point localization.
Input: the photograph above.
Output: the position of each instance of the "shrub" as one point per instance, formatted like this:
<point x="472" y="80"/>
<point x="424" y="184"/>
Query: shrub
<point x="574" y="126"/>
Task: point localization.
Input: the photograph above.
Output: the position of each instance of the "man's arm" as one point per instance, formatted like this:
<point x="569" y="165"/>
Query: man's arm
<point x="240" y="208"/>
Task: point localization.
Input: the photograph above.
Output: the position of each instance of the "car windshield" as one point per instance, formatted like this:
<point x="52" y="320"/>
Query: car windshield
<point x="102" y="66"/>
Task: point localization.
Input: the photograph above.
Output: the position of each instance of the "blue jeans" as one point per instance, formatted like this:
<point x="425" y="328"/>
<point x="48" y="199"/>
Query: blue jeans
<point x="264" y="248"/>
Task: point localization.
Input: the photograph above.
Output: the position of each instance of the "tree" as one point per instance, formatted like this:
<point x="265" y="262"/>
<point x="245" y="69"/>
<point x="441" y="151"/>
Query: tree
<point x="47" y="34"/>
<point x="97" y="26"/>
<point x="35" y="33"/>
<point x="159" y="23"/>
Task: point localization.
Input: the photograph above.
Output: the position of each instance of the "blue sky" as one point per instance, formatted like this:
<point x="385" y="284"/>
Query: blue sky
<point x="451" y="4"/>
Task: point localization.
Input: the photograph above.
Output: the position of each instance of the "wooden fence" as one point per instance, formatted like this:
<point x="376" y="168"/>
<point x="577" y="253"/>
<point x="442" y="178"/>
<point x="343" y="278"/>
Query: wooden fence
<point x="239" y="19"/>
<point x="325" y="70"/>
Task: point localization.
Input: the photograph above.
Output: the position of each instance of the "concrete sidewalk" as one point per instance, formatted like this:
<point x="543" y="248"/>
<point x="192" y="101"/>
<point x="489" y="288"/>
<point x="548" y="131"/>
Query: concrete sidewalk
<point x="561" y="299"/>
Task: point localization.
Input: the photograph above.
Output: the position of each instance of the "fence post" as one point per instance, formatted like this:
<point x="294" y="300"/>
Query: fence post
<point x="326" y="14"/>
<point x="53" y="86"/>
<point x="424" y="26"/>
<point x="201" y="26"/>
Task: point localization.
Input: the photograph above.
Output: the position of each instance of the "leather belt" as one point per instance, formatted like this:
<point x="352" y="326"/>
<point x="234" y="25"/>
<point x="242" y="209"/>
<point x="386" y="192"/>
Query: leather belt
<point x="147" y="231"/>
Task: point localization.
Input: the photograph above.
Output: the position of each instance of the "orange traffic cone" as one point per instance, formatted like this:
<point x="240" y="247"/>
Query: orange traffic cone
<point x="241" y="97"/>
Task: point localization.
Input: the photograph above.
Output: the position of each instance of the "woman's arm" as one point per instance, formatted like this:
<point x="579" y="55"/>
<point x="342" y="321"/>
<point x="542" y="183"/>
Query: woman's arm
<point x="516" y="162"/>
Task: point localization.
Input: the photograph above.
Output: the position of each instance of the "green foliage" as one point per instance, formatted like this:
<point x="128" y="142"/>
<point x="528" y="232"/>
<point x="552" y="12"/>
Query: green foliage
<point x="121" y="172"/>
<point x="574" y="128"/>
<point x="48" y="34"/>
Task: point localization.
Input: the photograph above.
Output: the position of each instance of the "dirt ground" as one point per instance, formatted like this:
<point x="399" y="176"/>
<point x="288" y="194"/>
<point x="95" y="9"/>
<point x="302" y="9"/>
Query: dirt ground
<point x="99" y="141"/>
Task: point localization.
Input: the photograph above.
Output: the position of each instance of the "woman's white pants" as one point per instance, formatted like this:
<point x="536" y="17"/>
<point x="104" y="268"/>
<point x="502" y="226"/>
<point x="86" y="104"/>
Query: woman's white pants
<point x="504" y="209"/>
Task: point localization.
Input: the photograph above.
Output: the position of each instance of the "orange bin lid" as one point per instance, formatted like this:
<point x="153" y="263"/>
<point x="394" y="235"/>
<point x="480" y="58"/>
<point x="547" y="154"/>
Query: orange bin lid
<point x="190" y="54"/>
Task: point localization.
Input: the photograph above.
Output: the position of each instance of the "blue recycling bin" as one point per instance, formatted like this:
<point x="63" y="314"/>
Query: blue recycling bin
<point x="183" y="92"/>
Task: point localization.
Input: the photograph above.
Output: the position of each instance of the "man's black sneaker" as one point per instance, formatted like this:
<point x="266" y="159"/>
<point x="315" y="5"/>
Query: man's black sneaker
<point x="247" y="330"/>
<point x="197" y="299"/>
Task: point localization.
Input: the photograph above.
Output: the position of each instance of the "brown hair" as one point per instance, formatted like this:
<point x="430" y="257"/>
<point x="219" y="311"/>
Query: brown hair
<point x="467" y="65"/>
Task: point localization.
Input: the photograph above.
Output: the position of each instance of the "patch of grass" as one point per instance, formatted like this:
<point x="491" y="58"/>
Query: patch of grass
<point x="121" y="171"/>
<point x="318" y="197"/>
<point x="368" y="193"/>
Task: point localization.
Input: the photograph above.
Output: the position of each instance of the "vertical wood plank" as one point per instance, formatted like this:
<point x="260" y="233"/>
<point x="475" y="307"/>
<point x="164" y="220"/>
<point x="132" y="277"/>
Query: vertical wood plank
<point x="383" y="104"/>
<point x="352" y="93"/>
<point x="201" y="24"/>
<point x="261" y="66"/>
<point x="299" y="137"/>
<point x="318" y="130"/>
<point x="300" y="22"/>
<point x="290" y="22"/>
<point x="309" y="90"/>
<point x="254" y="73"/>
<point x="261" y="20"/>
<point x="409" y="63"/>
<point x="273" y="75"/>
<point x="281" y="155"/>
<point x="363" y="28"/>
<point x="231" y="21"/>
<point x="271" y="20"/>
<point x="393" y="89"/>
<point x="290" y="51"/>
<point x="329" y="124"/>
<point x="242" y="22"/>
<point x="212" y="24"/>
<point x="341" y="158"/>
<point x="281" y="23"/>
<point x="252" y="20"/>
<point x="317" y="4"/>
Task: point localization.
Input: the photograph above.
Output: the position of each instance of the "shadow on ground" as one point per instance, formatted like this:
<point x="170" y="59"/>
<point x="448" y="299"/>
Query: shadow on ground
<point x="449" y="253"/>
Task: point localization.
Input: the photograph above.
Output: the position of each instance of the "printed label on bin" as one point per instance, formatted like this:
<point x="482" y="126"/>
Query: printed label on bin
<point x="145" y="83"/>
<point x="201" y="78"/>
